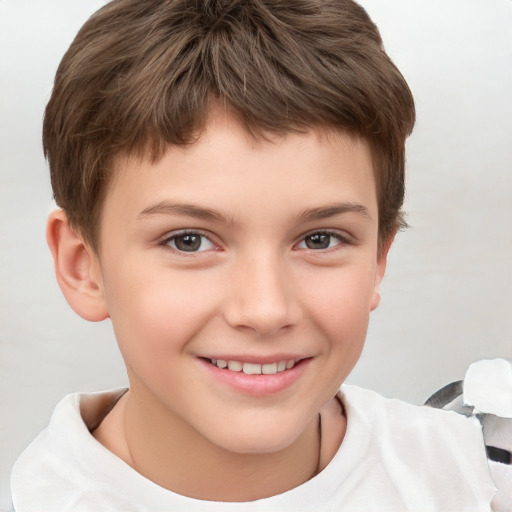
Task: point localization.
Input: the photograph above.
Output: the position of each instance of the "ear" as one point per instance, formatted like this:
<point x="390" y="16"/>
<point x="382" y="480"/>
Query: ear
<point x="382" y="258"/>
<point x="77" y="268"/>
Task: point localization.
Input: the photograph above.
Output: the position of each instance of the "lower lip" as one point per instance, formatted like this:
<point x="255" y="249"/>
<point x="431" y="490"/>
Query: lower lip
<point x="257" y="385"/>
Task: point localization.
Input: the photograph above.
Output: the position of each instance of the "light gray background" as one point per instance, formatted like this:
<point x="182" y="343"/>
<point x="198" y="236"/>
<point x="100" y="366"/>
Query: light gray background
<point x="447" y="297"/>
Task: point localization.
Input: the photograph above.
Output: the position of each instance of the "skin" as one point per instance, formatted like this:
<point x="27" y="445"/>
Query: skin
<point x="253" y="291"/>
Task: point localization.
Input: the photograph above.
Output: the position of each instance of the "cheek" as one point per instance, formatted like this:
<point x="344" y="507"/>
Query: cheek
<point x="340" y="306"/>
<point x="154" y="317"/>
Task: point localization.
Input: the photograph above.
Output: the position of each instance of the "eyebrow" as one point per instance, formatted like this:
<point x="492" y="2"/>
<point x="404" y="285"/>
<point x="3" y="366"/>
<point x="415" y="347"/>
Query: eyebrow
<point x="190" y="210"/>
<point x="198" y="212"/>
<point x="325" y="212"/>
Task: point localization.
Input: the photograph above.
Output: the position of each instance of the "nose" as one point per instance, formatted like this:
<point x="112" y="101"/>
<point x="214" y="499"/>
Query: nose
<point x="262" y="296"/>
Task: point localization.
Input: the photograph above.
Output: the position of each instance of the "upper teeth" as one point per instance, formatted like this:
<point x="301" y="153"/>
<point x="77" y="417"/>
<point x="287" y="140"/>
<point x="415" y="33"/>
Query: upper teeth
<point x="254" y="368"/>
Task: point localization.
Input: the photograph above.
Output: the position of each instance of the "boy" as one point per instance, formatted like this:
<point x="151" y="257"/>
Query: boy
<point x="230" y="177"/>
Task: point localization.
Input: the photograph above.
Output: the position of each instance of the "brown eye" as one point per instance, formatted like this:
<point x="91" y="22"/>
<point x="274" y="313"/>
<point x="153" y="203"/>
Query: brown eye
<point x="189" y="242"/>
<point x="320" y="241"/>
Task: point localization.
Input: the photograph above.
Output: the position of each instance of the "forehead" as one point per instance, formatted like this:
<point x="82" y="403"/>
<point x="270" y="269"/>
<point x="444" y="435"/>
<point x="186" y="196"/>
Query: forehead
<point x="228" y="168"/>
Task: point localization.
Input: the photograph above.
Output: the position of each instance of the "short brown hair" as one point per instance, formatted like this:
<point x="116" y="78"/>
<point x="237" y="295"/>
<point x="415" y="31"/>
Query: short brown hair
<point x="141" y="75"/>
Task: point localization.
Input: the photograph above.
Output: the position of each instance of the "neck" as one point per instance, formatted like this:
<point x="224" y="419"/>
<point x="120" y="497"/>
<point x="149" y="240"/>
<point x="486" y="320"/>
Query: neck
<point x="164" y="449"/>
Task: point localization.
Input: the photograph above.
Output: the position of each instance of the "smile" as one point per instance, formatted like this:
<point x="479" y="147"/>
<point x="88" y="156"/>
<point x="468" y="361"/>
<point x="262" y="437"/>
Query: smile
<point x="254" y="368"/>
<point x="256" y="377"/>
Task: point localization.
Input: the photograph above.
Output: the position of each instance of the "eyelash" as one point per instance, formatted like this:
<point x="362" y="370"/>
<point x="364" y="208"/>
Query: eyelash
<point x="341" y="238"/>
<point x="166" y="242"/>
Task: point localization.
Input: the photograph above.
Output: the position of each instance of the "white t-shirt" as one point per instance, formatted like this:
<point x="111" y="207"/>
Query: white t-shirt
<point x="394" y="457"/>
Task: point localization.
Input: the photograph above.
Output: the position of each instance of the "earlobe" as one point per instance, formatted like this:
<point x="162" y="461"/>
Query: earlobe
<point x="76" y="268"/>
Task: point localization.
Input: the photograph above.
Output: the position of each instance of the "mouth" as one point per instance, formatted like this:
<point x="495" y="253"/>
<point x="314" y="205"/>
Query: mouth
<point x="255" y="378"/>
<point x="254" y="368"/>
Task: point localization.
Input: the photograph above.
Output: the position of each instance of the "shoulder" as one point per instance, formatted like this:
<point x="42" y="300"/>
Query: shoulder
<point x="59" y="460"/>
<point x="439" y="455"/>
<point x="370" y="406"/>
<point x="401" y="423"/>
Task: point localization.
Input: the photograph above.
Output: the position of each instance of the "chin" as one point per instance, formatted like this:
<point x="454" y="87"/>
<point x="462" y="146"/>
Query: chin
<point x="259" y="437"/>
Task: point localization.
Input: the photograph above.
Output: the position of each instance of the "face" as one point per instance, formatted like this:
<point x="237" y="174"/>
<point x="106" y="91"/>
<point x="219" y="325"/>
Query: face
<point x="258" y="256"/>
